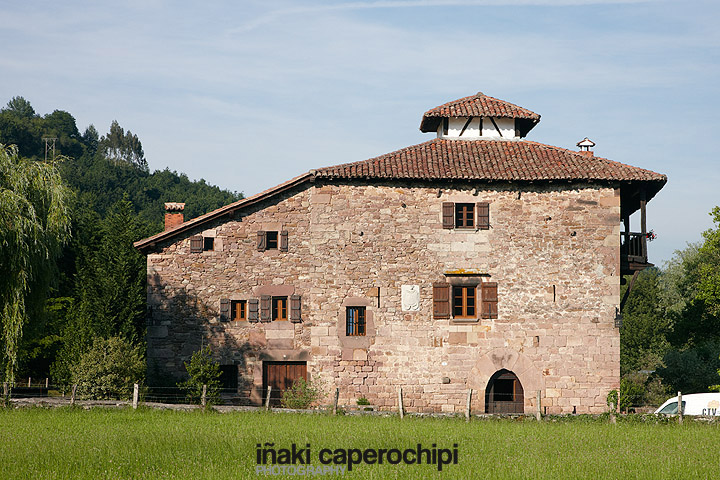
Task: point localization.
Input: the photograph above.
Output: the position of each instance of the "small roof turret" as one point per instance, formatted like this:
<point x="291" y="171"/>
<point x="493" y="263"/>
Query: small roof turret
<point x="480" y="105"/>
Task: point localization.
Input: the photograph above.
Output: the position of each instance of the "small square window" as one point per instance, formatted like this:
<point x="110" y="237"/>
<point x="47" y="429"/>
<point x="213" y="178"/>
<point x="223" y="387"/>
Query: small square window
<point x="208" y="244"/>
<point x="464" y="215"/>
<point x="272" y="240"/>
<point x="279" y="308"/>
<point x="238" y="310"/>
<point x="355" y="322"/>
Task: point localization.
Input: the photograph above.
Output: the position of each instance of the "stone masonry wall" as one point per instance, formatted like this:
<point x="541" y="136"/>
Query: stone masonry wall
<point x="553" y="251"/>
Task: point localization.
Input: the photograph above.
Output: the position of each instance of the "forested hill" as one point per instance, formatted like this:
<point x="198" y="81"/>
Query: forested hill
<point x="102" y="169"/>
<point x="97" y="290"/>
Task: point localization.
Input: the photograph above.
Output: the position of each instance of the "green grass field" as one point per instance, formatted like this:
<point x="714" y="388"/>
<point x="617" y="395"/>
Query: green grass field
<point x="111" y="443"/>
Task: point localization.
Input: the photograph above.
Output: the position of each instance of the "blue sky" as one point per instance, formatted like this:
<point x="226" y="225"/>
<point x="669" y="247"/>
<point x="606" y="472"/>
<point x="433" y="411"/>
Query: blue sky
<point x="249" y="94"/>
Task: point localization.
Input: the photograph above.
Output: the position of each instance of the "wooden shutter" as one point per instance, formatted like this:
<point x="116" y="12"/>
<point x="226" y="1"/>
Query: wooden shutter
<point x="441" y="300"/>
<point x="196" y="244"/>
<point x="265" y="308"/>
<point x="261" y="241"/>
<point x="224" y="309"/>
<point x="489" y="300"/>
<point x="448" y="215"/>
<point x="284" y="241"/>
<point x="483" y="215"/>
<point x="295" y="308"/>
<point x="253" y="310"/>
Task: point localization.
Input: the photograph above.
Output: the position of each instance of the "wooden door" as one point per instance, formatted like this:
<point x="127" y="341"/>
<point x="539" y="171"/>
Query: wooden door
<point x="504" y="393"/>
<point x="281" y="376"/>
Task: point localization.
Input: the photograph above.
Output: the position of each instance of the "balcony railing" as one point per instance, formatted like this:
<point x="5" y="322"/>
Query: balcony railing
<point x="633" y="247"/>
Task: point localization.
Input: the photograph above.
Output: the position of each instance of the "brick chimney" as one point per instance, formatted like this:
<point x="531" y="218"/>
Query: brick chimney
<point x="173" y="214"/>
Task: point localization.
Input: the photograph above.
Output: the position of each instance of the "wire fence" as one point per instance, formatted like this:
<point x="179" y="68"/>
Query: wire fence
<point x="43" y="392"/>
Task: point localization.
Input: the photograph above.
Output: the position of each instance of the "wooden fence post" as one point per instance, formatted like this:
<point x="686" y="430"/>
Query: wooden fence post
<point x="400" y="403"/>
<point x="47" y="383"/>
<point x="617" y="407"/>
<point x="5" y="392"/>
<point x="467" y="407"/>
<point x="136" y="393"/>
<point x="337" y="395"/>
<point x="680" y="408"/>
<point x="267" y="399"/>
<point x="538" y="414"/>
<point x="29" y="381"/>
<point x="203" y="398"/>
<point x="72" y="395"/>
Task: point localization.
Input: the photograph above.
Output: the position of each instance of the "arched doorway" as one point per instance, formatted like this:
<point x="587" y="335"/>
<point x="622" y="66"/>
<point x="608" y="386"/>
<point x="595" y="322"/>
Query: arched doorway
<point x="504" y="393"/>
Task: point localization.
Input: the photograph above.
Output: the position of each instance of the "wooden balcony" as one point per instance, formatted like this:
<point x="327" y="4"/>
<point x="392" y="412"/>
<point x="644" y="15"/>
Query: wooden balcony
<point x="633" y="252"/>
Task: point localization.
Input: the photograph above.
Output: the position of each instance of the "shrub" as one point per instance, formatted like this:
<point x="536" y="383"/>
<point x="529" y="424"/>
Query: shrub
<point x="632" y="391"/>
<point x="302" y="394"/>
<point x="363" y="401"/>
<point x="109" y="369"/>
<point x="203" y="370"/>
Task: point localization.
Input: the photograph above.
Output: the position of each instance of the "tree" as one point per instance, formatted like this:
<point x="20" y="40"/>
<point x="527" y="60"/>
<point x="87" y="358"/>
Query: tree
<point x="20" y="107"/>
<point x="91" y="139"/>
<point x="111" y="284"/>
<point x="109" y="296"/>
<point x="202" y="370"/>
<point x="109" y="369"/>
<point x="34" y="224"/>
<point x="123" y="147"/>
<point x="692" y="369"/>
<point x="643" y="341"/>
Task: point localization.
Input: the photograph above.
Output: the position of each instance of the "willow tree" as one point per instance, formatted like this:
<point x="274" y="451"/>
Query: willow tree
<point x="34" y="224"/>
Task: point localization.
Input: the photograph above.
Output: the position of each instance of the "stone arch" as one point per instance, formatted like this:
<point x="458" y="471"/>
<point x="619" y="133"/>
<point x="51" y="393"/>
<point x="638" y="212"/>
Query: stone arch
<point x="529" y="375"/>
<point x="504" y="393"/>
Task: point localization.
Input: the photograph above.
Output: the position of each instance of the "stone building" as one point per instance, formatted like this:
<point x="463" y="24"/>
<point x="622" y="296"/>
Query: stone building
<point x="474" y="260"/>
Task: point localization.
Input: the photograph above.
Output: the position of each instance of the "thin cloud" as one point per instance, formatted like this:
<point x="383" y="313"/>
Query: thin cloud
<point x="274" y="15"/>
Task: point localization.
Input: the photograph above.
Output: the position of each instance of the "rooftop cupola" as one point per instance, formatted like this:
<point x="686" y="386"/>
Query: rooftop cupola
<point x="585" y="145"/>
<point x="479" y="117"/>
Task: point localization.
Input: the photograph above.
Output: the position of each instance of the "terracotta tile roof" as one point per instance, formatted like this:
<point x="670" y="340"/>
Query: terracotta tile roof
<point x="222" y="211"/>
<point x="441" y="159"/>
<point x="489" y="160"/>
<point x="478" y="105"/>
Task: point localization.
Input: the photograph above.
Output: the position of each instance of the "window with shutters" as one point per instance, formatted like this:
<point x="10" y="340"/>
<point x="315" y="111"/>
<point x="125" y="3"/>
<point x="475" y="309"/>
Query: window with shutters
<point x="461" y="301"/>
<point x="199" y="244"/>
<point x="355" y="321"/>
<point x="279" y="308"/>
<point x="272" y="240"/>
<point x="466" y="215"/>
<point x="208" y="244"/>
<point x="238" y="310"/>
<point x="464" y="302"/>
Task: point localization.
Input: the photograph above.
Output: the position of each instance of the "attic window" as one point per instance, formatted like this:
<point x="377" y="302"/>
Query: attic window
<point x="272" y="240"/>
<point x="199" y="244"/>
<point x="208" y="244"/>
<point x="466" y="215"/>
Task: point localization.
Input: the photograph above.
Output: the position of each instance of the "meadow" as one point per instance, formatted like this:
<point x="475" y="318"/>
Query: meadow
<point x="126" y="444"/>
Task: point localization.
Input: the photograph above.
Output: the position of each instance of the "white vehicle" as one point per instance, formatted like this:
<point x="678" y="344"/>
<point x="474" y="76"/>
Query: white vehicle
<point x="693" y="404"/>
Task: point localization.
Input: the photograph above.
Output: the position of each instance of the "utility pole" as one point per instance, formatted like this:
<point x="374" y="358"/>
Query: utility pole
<point x="49" y="147"/>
